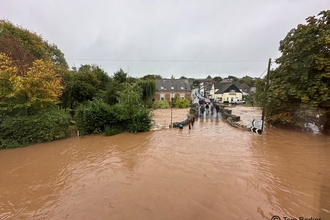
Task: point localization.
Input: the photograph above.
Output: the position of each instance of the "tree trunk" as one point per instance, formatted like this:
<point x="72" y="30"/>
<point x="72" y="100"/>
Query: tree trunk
<point x="326" y="125"/>
<point x="326" y="128"/>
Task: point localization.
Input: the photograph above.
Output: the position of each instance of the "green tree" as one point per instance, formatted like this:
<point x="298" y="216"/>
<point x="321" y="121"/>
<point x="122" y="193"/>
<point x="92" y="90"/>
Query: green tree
<point x="86" y="83"/>
<point x="300" y="86"/>
<point x="248" y="80"/>
<point x="196" y="82"/>
<point x="29" y="40"/>
<point x="217" y="79"/>
<point x="112" y="92"/>
<point x="153" y="77"/>
<point x="131" y="80"/>
<point x="160" y="104"/>
<point x="57" y="57"/>
<point x="148" y="90"/>
<point x="29" y="54"/>
<point x="234" y="78"/>
<point x="24" y="46"/>
<point x="120" y="76"/>
<point x="130" y="111"/>
<point x="181" y="103"/>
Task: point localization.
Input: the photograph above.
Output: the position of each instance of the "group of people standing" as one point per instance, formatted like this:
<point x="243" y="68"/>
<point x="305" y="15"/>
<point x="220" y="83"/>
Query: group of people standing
<point x="204" y="108"/>
<point x="207" y="107"/>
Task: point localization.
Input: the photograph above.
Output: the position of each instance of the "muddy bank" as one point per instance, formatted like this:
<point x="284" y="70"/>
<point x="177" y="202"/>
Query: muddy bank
<point x="162" y="117"/>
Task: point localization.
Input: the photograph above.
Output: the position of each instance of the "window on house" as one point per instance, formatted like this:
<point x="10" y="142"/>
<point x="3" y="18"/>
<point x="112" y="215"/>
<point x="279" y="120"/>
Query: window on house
<point x="162" y="87"/>
<point x="181" y="87"/>
<point x="172" y="87"/>
<point x="182" y="95"/>
<point x="162" y="96"/>
<point x="232" y="92"/>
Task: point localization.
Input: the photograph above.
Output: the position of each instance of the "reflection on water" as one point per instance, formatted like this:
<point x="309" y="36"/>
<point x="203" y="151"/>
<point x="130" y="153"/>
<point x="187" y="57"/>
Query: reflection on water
<point x="212" y="171"/>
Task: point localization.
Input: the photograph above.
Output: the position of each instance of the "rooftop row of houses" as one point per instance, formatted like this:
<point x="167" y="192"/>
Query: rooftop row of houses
<point x="166" y="89"/>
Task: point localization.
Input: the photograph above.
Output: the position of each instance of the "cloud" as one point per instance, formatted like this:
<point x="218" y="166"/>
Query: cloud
<point x="160" y="37"/>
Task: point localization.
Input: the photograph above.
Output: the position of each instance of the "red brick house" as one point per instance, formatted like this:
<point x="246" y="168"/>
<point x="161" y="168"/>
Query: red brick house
<point x="172" y="88"/>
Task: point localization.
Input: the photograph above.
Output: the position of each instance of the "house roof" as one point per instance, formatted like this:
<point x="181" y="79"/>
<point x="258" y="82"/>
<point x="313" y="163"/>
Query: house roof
<point x="208" y="78"/>
<point x="226" y="86"/>
<point x="177" y="84"/>
<point x="219" y="85"/>
<point x="208" y="87"/>
<point x="245" y="88"/>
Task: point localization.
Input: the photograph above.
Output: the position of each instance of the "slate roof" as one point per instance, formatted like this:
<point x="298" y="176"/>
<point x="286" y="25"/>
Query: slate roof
<point x="178" y="84"/>
<point x="208" y="87"/>
<point x="208" y="78"/>
<point x="226" y="86"/>
<point x="245" y="88"/>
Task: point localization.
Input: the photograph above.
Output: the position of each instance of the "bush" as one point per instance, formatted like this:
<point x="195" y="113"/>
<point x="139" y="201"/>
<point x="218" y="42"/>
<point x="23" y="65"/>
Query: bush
<point x="181" y="103"/>
<point x="43" y="127"/>
<point x="112" y="130"/>
<point x="92" y="117"/>
<point x="9" y="143"/>
<point x="160" y="104"/>
<point x="96" y="117"/>
<point x="140" y="122"/>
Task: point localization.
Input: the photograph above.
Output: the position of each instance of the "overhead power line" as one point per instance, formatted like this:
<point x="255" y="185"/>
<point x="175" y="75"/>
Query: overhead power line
<point x="263" y="73"/>
<point x="175" y="61"/>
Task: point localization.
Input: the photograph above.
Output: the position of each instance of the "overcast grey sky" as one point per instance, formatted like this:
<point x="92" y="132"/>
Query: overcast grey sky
<point x="182" y="38"/>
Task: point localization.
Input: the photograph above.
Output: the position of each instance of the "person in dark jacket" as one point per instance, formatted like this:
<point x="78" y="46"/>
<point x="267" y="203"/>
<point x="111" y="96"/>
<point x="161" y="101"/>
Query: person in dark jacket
<point x="207" y="107"/>
<point x="217" y="108"/>
<point x="202" y="109"/>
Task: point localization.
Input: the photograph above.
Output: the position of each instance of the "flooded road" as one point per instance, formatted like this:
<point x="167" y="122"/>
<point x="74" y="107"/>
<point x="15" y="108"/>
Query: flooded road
<point x="213" y="171"/>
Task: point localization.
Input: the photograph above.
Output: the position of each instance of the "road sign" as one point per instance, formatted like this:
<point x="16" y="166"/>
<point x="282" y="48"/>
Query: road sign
<point x="256" y="126"/>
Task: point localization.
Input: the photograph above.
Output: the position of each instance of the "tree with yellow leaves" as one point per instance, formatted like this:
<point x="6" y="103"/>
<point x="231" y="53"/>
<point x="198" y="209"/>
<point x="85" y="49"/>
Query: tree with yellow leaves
<point x="38" y="89"/>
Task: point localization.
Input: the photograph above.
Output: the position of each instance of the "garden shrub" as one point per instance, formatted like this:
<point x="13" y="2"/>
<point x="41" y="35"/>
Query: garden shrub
<point x="140" y="122"/>
<point x="96" y="117"/>
<point x="42" y="127"/>
<point x="160" y="104"/>
<point x="181" y="103"/>
<point x="112" y="130"/>
<point x="92" y="116"/>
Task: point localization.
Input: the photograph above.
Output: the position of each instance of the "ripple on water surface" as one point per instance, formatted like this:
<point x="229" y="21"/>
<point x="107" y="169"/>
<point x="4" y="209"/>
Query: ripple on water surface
<point x="212" y="171"/>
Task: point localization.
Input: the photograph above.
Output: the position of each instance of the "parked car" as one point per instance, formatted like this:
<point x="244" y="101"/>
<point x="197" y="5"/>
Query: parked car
<point x="237" y="101"/>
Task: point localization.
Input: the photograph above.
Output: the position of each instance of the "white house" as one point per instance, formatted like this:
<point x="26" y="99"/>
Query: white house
<point x="227" y="91"/>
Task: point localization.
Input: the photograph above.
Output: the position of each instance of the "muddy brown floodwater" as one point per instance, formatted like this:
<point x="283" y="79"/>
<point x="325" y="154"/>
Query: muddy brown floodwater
<point x="213" y="171"/>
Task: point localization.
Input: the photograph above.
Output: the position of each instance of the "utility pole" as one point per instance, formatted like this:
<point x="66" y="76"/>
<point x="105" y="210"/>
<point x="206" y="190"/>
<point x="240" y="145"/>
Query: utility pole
<point x="171" y="113"/>
<point x="265" y="95"/>
<point x="171" y="98"/>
